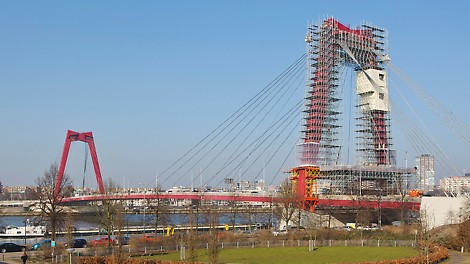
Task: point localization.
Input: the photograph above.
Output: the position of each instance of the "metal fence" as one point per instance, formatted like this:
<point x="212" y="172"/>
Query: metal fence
<point x="164" y="248"/>
<point x="182" y="247"/>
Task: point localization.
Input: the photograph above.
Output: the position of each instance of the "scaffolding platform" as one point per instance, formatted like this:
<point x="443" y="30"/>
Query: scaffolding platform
<point x="365" y="180"/>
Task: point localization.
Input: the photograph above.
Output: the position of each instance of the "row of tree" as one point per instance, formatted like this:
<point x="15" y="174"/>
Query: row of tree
<point x="108" y="212"/>
<point x="286" y="208"/>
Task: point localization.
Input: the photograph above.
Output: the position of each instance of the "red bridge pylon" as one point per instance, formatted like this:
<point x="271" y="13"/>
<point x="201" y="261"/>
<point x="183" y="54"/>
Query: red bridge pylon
<point x="86" y="137"/>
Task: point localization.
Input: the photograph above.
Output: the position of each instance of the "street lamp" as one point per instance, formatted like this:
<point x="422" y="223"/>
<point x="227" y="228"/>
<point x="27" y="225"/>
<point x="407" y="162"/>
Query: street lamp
<point x="25" y="221"/>
<point x="143" y="220"/>
<point x="145" y="201"/>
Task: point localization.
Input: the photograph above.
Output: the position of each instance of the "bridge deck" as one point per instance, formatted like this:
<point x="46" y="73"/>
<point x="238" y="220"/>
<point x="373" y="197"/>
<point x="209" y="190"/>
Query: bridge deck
<point x="335" y="201"/>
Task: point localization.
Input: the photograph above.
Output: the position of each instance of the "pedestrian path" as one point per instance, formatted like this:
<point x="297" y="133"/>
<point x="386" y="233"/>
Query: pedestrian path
<point x="456" y="257"/>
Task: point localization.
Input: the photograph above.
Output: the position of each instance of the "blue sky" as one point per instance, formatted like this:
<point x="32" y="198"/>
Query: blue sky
<point x="151" y="78"/>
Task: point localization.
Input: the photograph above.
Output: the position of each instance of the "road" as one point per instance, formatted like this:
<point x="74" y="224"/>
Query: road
<point x="14" y="257"/>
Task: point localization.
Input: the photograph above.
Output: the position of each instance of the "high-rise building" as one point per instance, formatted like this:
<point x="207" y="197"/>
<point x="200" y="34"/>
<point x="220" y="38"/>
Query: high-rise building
<point x="456" y="185"/>
<point x="425" y="172"/>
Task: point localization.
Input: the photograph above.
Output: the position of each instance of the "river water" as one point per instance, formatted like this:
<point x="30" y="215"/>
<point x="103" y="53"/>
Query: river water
<point x="85" y="222"/>
<point x="89" y="222"/>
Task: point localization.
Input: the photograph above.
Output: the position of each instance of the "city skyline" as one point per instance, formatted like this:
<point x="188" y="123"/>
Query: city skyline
<point x="140" y="75"/>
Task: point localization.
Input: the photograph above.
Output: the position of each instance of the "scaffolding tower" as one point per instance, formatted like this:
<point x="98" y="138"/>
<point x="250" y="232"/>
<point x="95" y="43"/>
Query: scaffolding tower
<point x="330" y="46"/>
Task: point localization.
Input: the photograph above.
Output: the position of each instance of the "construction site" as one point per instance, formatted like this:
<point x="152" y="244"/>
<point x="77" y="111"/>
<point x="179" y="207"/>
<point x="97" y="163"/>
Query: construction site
<point x="331" y="47"/>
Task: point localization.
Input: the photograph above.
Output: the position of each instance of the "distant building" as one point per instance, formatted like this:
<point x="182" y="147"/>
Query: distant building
<point x="455" y="185"/>
<point x="15" y="189"/>
<point x="425" y="172"/>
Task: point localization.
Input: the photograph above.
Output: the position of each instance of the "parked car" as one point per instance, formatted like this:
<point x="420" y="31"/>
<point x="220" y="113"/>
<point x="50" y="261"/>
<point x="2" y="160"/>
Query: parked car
<point x="280" y="232"/>
<point x="345" y="228"/>
<point x="11" y="247"/>
<point x="102" y="241"/>
<point x="149" y="238"/>
<point x="78" y="243"/>
<point x="291" y="227"/>
<point x="367" y="228"/>
<point x="122" y="240"/>
<point x="43" y="244"/>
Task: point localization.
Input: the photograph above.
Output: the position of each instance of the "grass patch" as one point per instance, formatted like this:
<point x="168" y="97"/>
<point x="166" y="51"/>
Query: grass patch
<point x="302" y="255"/>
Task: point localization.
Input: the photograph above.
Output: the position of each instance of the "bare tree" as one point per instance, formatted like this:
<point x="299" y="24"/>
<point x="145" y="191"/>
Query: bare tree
<point x="161" y="213"/>
<point x="248" y="215"/>
<point x="288" y="202"/>
<point x="69" y="228"/>
<point x="5" y="195"/>
<point x="451" y="217"/>
<point x="463" y="232"/>
<point x="356" y="206"/>
<point x="30" y="193"/>
<point x="402" y="186"/>
<point x="51" y="207"/>
<point x="425" y="223"/>
<point x="212" y="218"/>
<point x="466" y="210"/>
<point x="330" y="208"/>
<point x="119" y="253"/>
<point x="233" y="207"/>
<point x="108" y="209"/>
<point x="191" y="238"/>
<point x="379" y="195"/>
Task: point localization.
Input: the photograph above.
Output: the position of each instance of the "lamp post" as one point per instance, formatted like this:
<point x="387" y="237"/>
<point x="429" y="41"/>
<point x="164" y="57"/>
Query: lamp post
<point x="143" y="220"/>
<point x="145" y="201"/>
<point x="25" y="221"/>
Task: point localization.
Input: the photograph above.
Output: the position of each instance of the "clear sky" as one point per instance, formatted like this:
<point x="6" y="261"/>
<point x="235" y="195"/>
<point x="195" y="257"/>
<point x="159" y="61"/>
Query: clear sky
<point x="151" y="78"/>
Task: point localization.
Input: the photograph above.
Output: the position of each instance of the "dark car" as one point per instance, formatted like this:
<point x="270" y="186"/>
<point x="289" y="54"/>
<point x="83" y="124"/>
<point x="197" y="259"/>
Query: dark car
<point x="78" y="243"/>
<point x="122" y="240"/>
<point x="46" y="243"/>
<point x="11" y="247"/>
